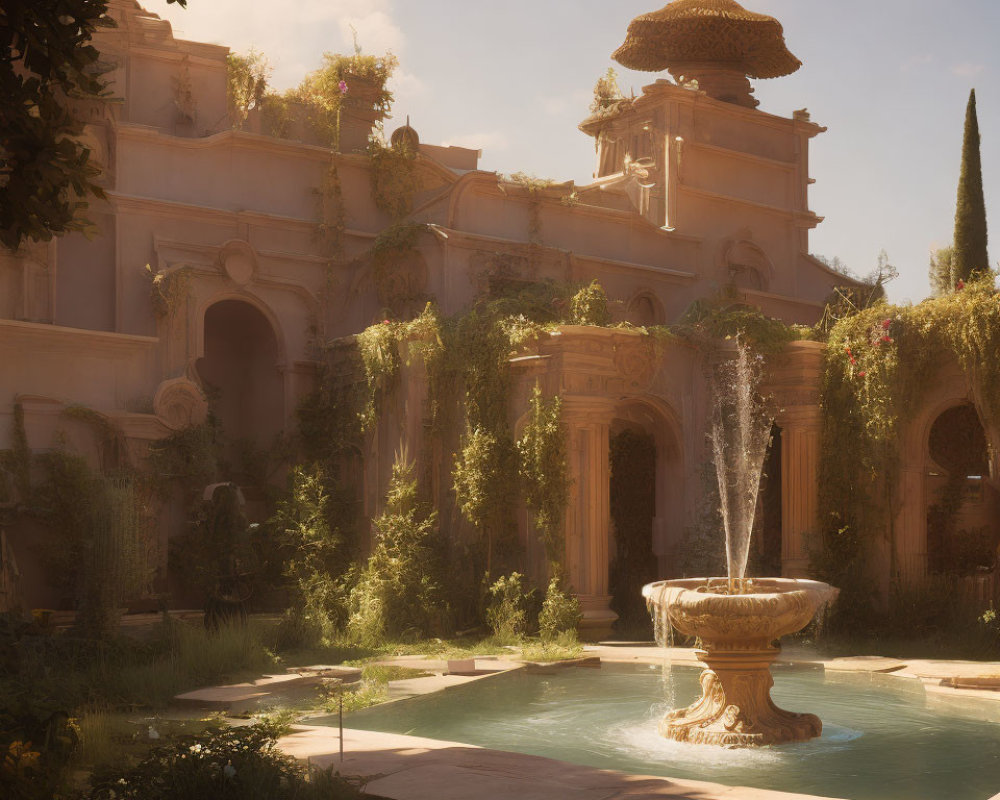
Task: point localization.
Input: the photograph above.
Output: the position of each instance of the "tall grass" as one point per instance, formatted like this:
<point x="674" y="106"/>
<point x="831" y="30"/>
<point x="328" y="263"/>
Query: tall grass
<point x="191" y="657"/>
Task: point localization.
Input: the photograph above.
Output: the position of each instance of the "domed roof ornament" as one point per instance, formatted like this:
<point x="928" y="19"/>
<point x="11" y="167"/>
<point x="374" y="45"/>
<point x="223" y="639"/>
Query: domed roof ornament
<point x="716" y="42"/>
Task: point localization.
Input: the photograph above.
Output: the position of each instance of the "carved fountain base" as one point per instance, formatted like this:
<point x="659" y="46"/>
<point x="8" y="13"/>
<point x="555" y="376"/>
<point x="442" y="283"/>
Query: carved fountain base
<point x="736" y="709"/>
<point x="737" y="621"/>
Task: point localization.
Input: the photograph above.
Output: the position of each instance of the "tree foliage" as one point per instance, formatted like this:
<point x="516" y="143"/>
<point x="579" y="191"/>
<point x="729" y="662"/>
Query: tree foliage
<point x="49" y="64"/>
<point x="247" y="77"/>
<point x="969" y="255"/>
<point x="543" y="467"/>
<point x="941" y="271"/>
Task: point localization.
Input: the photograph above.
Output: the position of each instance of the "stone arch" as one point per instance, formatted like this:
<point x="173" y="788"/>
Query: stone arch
<point x="646" y="502"/>
<point x="745" y="265"/>
<point x="240" y="365"/>
<point x="918" y="490"/>
<point x="645" y="309"/>
<point x="249" y="299"/>
<point x="961" y="508"/>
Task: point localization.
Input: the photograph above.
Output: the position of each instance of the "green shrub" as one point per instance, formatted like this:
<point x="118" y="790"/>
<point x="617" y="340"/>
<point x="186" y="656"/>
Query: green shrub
<point x="507" y="612"/>
<point x="222" y="762"/>
<point x="318" y="558"/>
<point x="589" y="306"/>
<point x="560" y="613"/>
<point x="398" y="591"/>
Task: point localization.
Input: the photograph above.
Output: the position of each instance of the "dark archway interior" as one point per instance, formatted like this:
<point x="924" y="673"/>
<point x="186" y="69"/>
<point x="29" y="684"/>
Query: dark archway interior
<point x="633" y="508"/>
<point x="240" y="372"/>
<point x="962" y="526"/>
<point x="765" y="547"/>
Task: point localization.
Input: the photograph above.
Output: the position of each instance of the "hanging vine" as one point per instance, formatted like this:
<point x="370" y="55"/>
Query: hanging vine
<point x="542" y="452"/>
<point x="879" y="364"/>
<point x="395" y="177"/>
<point x="167" y="289"/>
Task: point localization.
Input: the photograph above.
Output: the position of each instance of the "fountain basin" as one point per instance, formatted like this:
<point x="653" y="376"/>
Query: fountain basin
<point x="738" y="632"/>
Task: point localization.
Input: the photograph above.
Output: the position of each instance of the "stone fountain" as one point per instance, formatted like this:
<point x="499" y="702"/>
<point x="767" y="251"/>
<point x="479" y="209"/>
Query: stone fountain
<point x="738" y="620"/>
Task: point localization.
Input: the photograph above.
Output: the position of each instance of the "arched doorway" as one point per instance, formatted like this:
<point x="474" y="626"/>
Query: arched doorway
<point x="240" y="374"/>
<point x="765" y="541"/>
<point x="646" y="510"/>
<point x="963" y="508"/>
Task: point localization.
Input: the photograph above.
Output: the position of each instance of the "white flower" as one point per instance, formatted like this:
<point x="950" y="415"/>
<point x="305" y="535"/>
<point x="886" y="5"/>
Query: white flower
<point x="153" y="733"/>
<point x="229" y="770"/>
<point x="195" y="748"/>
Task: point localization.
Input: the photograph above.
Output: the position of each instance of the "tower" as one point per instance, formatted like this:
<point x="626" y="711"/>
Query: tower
<point x="694" y="154"/>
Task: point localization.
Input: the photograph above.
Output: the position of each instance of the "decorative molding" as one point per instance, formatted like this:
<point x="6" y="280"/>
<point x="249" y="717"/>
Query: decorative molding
<point x="73" y="340"/>
<point x="238" y="261"/>
<point x="179" y="403"/>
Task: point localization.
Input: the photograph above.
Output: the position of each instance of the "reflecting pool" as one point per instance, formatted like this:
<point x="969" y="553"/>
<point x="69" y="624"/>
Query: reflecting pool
<point x="883" y="739"/>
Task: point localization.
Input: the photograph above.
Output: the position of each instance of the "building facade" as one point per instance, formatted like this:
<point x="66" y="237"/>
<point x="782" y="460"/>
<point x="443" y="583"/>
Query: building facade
<point x="208" y="286"/>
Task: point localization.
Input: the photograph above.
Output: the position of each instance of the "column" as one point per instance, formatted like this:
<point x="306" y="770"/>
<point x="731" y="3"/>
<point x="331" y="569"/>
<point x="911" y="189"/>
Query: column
<point x="588" y="515"/>
<point x="795" y="383"/>
<point x="800" y="445"/>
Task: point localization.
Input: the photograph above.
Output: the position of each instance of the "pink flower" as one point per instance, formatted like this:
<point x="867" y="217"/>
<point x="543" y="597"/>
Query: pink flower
<point x="887" y="338"/>
<point x="960" y="285"/>
<point x="862" y="374"/>
<point x="343" y="87"/>
<point x="886" y="324"/>
<point x="385" y="322"/>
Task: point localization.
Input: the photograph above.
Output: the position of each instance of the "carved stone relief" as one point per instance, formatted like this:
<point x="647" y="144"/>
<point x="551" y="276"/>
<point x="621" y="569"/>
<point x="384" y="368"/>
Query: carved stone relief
<point x="180" y="403"/>
<point x="238" y="261"/>
<point x="744" y="264"/>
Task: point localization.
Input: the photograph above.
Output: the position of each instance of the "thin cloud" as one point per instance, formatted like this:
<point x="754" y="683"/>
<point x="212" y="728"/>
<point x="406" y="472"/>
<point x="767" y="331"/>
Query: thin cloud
<point x="967" y="69"/>
<point x="915" y="63"/>
<point x="406" y="84"/>
<point x="376" y="32"/>
<point x="294" y="43"/>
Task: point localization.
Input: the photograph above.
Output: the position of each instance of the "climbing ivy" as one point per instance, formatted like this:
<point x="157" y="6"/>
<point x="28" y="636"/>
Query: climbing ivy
<point x="879" y="364"/>
<point x="395" y="178"/>
<point x="709" y="322"/>
<point x="542" y="451"/>
<point x="167" y="289"/>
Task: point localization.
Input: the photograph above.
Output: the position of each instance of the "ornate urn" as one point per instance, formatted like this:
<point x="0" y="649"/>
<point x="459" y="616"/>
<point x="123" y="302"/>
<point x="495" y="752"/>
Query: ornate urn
<point x="738" y="630"/>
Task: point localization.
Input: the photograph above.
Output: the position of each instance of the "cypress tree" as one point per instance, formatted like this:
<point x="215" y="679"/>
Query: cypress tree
<point x="969" y="254"/>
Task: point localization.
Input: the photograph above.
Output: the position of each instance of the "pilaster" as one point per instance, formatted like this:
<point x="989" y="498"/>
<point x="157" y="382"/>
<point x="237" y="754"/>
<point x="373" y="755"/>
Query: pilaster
<point x="588" y="515"/>
<point x="795" y="387"/>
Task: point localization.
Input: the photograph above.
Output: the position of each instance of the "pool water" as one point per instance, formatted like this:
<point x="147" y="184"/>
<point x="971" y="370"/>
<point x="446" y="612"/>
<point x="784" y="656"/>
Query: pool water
<point x="882" y="739"/>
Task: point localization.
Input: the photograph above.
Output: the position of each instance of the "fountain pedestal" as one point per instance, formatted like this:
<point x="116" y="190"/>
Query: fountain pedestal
<point x="736" y="709"/>
<point x="737" y="631"/>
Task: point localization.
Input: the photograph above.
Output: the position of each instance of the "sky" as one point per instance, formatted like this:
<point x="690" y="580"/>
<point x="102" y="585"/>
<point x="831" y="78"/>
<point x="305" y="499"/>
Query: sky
<point x="890" y="80"/>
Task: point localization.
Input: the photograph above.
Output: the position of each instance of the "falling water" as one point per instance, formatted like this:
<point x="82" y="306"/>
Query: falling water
<point x="663" y="632"/>
<point x="740" y="434"/>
